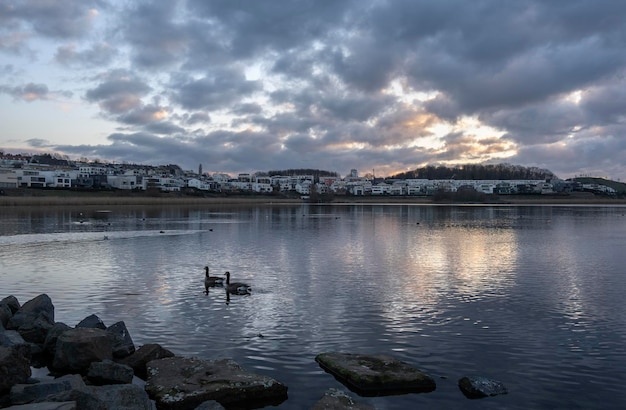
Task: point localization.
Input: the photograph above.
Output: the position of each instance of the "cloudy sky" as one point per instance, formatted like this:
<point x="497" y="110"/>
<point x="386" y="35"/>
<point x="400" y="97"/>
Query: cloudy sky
<point x="251" y="85"/>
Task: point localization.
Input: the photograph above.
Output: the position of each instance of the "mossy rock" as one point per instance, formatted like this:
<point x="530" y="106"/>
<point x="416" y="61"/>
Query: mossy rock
<point x="375" y="375"/>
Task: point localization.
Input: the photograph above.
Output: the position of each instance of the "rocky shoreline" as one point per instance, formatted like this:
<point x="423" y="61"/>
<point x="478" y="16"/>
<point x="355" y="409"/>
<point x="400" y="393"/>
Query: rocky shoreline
<point x="94" y="366"/>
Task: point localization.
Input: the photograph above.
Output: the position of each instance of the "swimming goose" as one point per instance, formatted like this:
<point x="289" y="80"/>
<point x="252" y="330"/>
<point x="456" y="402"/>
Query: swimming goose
<point x="210" y="281"/>
<point x="237" y="288"/>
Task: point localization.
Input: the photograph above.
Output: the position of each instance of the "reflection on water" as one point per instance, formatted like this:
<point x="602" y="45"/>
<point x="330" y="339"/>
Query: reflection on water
<point x="531" y="296"/>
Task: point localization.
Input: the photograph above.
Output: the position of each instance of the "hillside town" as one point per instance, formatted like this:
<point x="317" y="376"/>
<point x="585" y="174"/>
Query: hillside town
<point x="47" y="171"/>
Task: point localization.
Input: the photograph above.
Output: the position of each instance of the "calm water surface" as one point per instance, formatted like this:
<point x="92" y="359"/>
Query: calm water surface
<point x="532" y="296"/>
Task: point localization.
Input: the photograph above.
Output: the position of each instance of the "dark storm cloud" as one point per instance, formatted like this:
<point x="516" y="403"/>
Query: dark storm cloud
<point x="39" y="143"/>
<point x="217" y="89"/>
<point x="99" y="55"/>
<point x="590" y="153"/>
<point x="197" y="118"/>
<point x="247" y="108"/>
<point x="118" y="91"/>
<point x="544" y="122"/>
<point x="605" y="104"/>
<point x="27" y="92"/>
<point x="354" y="107"/>
<point x="142" y="115"/>
<point x="317" y="83"/>
<point x="164" y="128"/>
<point x="60" y="19"/>
<point x="280" y="26"/>
<point x="155" y="38"/>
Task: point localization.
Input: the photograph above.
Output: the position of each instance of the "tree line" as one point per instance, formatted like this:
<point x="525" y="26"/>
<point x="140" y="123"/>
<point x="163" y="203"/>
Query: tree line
<point x="476" y="172"/>
<point x="317" y="173"/>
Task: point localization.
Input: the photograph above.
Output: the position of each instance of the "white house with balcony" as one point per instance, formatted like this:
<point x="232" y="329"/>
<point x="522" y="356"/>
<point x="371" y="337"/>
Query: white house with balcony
<point x="304" y="187"/>
<point x="127" y="182"/>
<point x="262" y="184"/>
<point x="199" y="184"/>
<point x="8" y="178"/>
<point x="57" y="179"/>
<point x="30" y="178"/>
<point x="381" y="188"/>
<point x="163" y="183"/>
<point x="86" y="170"/>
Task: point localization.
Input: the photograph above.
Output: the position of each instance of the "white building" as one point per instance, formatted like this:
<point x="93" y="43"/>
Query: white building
<point x="8" y="178"/>
<point x="198" y="184"/>
<point x="262" y="184"/>
<point x="86" y="170"/>
<point x="125" y="182"/>
<point x="381" y="189"/>
<point x="163" y="183"/>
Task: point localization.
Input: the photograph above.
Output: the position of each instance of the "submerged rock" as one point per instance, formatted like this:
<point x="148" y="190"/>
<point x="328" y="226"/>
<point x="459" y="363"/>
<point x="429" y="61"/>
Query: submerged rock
<point x="337" y="400"/>
<point x="375" y="375"/>
<point x="479" y="387"/>
<point x="184" y="383"/>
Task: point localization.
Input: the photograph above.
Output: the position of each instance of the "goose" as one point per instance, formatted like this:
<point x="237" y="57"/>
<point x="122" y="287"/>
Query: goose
<point x="210" y="281"/>
<point x="237" y="288"/>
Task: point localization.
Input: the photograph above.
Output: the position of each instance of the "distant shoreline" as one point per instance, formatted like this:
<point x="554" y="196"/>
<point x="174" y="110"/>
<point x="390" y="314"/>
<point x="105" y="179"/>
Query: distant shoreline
<point x="65" y="198"/>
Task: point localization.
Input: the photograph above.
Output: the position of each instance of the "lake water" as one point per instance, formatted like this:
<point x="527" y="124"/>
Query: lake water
<point x="533" y="296"/>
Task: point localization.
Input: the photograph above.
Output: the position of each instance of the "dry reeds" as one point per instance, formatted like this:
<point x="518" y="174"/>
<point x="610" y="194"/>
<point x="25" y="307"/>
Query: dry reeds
<point x="49" y="201"/>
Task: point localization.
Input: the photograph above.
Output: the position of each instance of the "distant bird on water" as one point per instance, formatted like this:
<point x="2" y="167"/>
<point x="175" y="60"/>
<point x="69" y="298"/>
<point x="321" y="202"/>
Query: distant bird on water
<point x="237" y="288"/>
<point x="210" y="281"/>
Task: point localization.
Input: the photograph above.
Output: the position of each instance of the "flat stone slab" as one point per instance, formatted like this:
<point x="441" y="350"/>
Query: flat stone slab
<point x="337" y="400"/>
<point x="477" y="387"/>
<point x="375" y="375"/>
<point x="184" y="383"/>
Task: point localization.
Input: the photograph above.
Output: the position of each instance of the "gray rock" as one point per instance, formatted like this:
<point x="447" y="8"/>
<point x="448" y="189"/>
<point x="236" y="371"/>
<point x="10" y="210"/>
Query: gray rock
<point x="334" y="399"/>
<point x="77" y="348"/>
<point x="13" y="339"/>
<point x="375" y="375"/>
<point x="477" y="387"/>
<point x="46" y="390"/>
<point x="143" y="355"/>
<point x="31" y="310"/>
<point x="49" y="345"/>
<point x="184" y="383"/>
<point x="65" y="405"/>
<point x="92" y="321"/>
<point x="5" y="315"/>
<point x="122" y="342"/>
<point x="35" y="331"/>
<point x="34" y="319"/>
<point x="122" y="397"/>
<point x="14" y="369"/>
<point x="210" y="405"/>
<point x="109" y="372"/>
<point x="12" y="303"/>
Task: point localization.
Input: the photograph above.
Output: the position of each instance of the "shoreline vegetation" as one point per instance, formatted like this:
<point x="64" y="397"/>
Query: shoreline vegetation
<point x="52" y="198"/>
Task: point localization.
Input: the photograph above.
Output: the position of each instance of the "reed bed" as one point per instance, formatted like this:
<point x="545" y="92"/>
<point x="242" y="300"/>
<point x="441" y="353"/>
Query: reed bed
<point x="50" y="201"/>
<point x="111" y="200"/>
